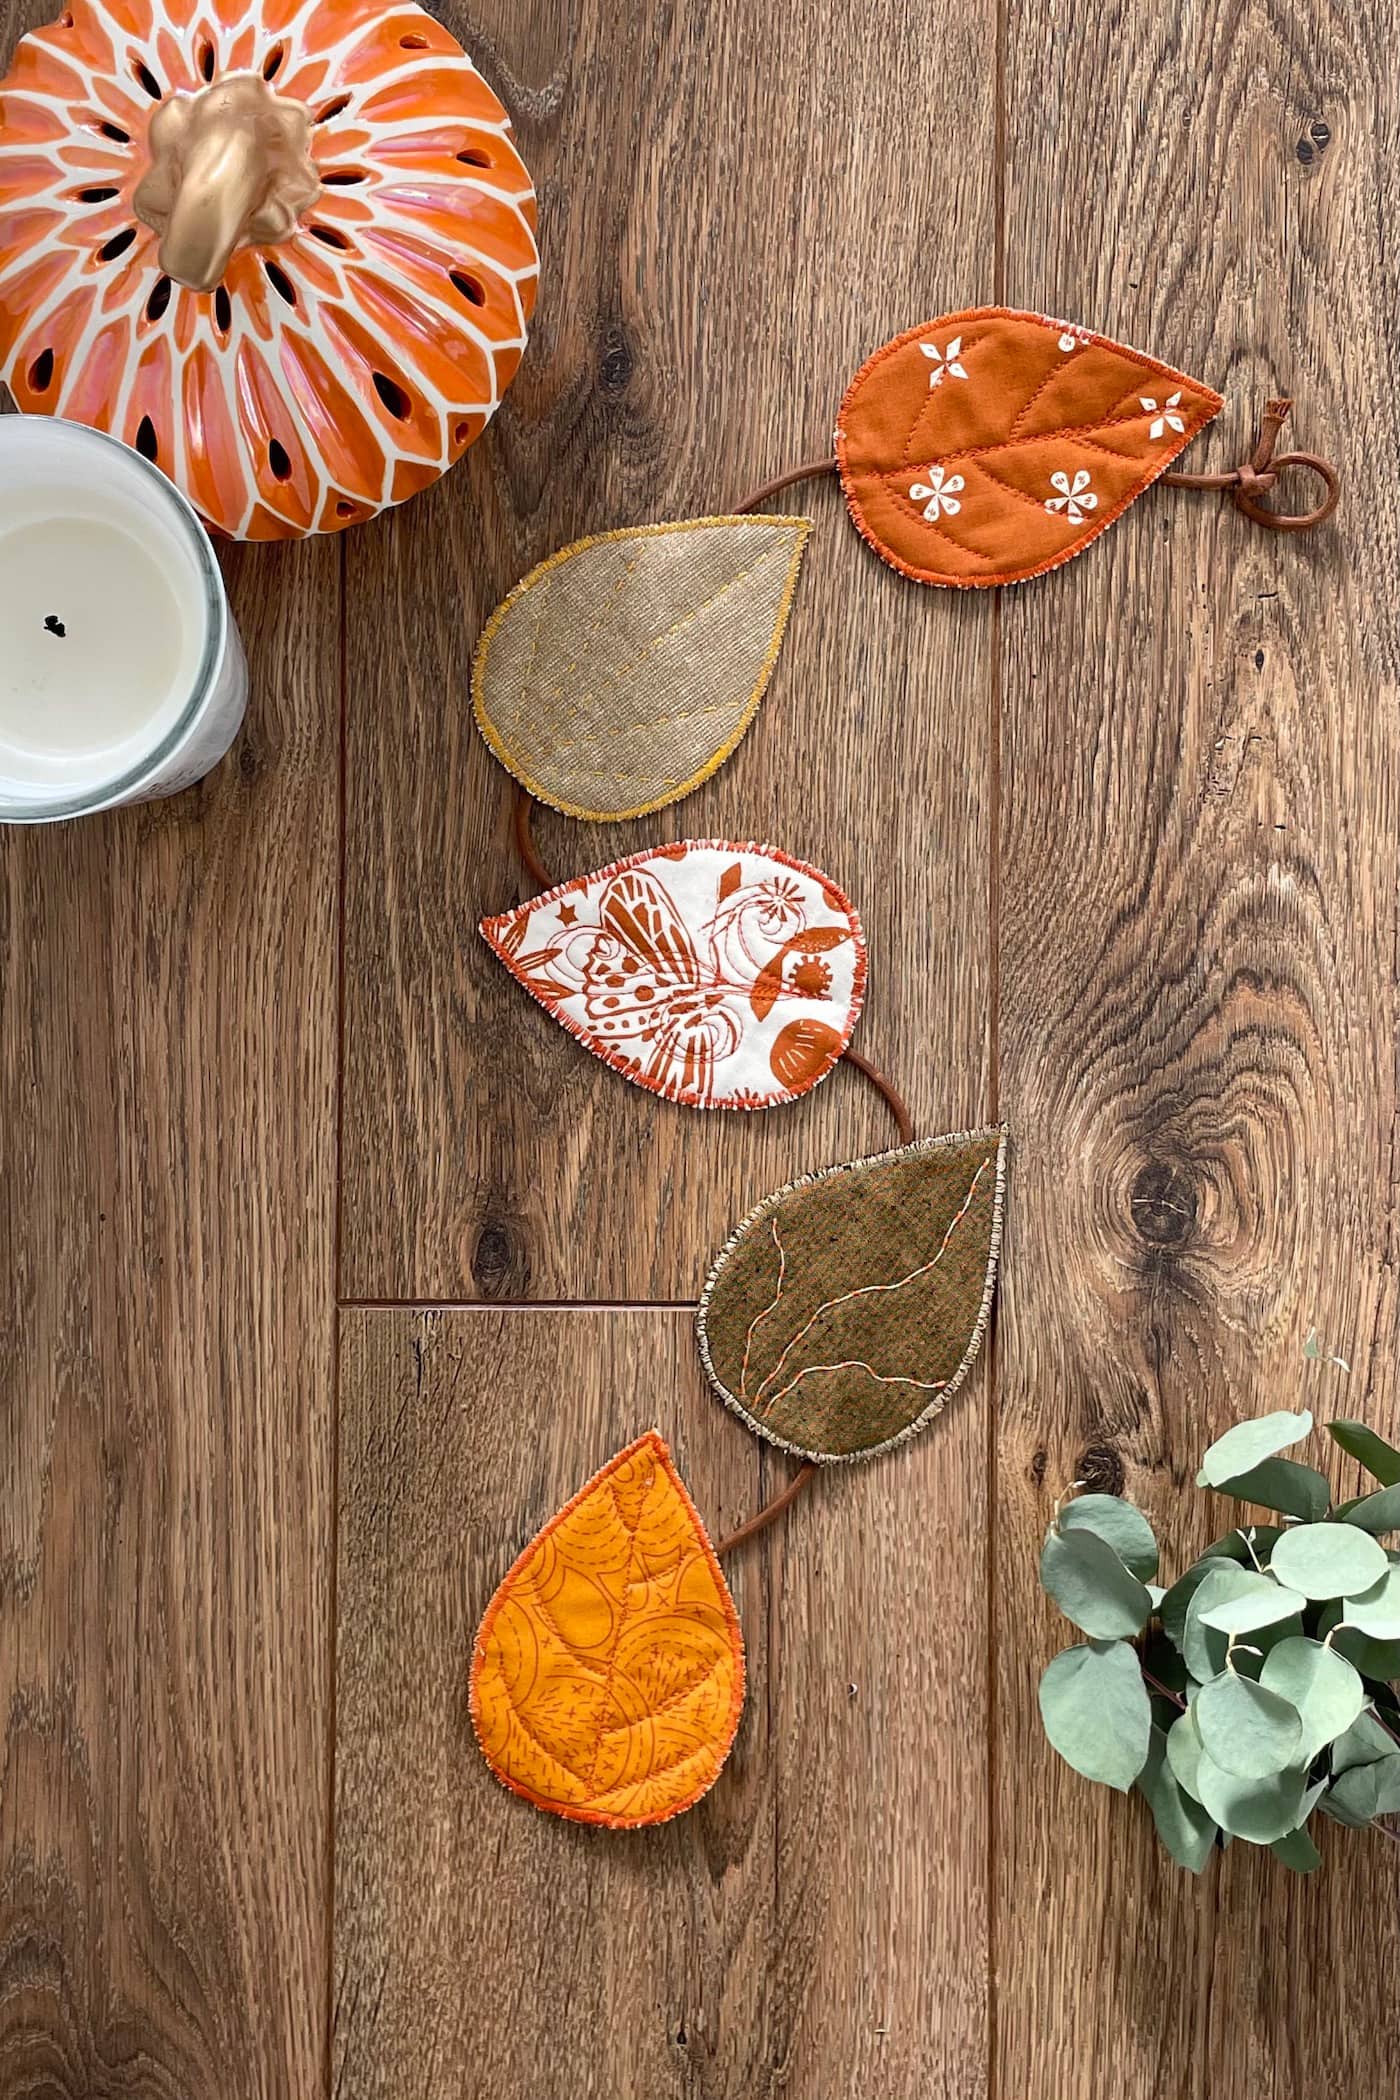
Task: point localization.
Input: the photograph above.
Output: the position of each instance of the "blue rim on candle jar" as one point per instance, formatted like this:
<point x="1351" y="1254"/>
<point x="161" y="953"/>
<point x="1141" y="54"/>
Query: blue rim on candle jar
<point x="207" y="720"/>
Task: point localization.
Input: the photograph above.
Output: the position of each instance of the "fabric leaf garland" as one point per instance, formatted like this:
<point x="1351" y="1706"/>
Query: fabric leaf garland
<point x="847" y="1309"/>
<point x="991" y="445"/>
<point x="620" y="673"/>
<point x="608" y="1672"/>
<point x="717" y="975"/>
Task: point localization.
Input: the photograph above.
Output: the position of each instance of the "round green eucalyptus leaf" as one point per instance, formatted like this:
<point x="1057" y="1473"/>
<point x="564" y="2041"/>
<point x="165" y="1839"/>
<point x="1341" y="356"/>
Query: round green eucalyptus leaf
<point x="1280" y="1483"/>
<point x="1376" y="1611"/>
<point x="1378" y="1660"/>
<point x="1297" y="1851"/>
<point x="1184" y="1753"/>
<point x="1203" y="1646"/>
<point x="1096" y="1712"/>
<point x="1264" y="1603"/>
<point x="1381" y="1460"/>
<point x="1182" y="1824"/>
<point x="1248" y="1444"/>
<point x="1258" y="1809"/>
<point x="1120" y="1525"/>
<point x="1311" y="1798"/>
<point x="1376" y="1513"/>
<point x="1092" y="1587"/>
<point x="1364" y="1743"/>
<point x="1324" y="1689"/>
<point x="1328" y="1560"/>
<point x="1249" y="1732"/>
<point x="1174" y="1606"/>
<point x="1367" y="1791"/>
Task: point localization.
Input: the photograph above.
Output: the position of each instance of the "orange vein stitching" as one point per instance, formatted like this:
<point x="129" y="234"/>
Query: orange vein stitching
<point x="711" y="1670"/>
<point x="1014" y="444"/>
<point x="633" y="1557"/>
<point x="913" y="511"/>
<point x="867" y="1290"/>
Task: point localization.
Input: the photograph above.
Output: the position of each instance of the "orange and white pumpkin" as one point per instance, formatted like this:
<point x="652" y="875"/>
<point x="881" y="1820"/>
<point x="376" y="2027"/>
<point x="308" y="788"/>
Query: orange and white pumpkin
<point x="287" y="252"/>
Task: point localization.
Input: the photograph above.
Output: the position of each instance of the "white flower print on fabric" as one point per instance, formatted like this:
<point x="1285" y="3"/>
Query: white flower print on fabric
<point x="945" y="362"/>
<point x="1075" y="499"/>
<point x="939" y="495"/>
<point x="1166" y="418"/>
<point x="1069" y="342"/>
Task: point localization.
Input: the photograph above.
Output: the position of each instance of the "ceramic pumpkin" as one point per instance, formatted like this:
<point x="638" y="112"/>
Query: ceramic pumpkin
<point x="285" y="251"/>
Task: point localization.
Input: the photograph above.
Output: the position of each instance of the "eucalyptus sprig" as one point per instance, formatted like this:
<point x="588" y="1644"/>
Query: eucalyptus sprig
<point x="1260" y="1685"/>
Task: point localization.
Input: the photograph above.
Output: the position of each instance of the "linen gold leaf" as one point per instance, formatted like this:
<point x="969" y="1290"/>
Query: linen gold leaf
<point x="608" y="1672"/>
<point x="622" y="672"/>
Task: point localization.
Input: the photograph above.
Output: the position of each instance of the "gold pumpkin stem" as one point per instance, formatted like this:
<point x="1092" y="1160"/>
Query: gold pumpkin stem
<point x="229" y="166"/>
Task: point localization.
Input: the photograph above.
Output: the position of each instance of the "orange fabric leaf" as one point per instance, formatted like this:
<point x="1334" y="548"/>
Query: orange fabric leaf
<point x="988" y="446"/>
<point x="608" y="1673"/>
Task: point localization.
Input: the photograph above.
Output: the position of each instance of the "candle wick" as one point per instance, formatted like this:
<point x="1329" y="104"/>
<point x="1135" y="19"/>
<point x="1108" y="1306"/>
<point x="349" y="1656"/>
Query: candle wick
<point x="53" y="625"/>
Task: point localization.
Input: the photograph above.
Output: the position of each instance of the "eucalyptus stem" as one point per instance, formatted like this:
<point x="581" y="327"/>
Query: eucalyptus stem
<point x="1158" y="1686"/>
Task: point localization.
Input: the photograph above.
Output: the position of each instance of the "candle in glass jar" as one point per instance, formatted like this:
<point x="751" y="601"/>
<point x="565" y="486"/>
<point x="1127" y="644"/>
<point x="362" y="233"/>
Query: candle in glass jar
<point x="121" y="674"/>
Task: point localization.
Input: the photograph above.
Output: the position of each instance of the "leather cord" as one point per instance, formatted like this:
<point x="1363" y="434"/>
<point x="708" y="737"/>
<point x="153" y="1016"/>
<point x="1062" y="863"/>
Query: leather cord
<point x="1261" y="472"/>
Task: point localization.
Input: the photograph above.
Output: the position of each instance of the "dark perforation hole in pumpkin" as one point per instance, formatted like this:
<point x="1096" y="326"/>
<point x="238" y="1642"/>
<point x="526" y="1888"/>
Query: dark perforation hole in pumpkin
<point x="223" y="311"/>
<point x="278" y="461"/>
<point x="393" y="396"/>
<point x="281" y="283"/>
<point x="413" y="42"/>
<point x="344" y="509"/>
<point x="118" y="245"/>
<point x="148" y="79"/>
<point x="272" y="64"/>
<point x="65" y="20"/>
<point x="462" y="432"/>
<point x="114" y="131"/>
<point x="473" y="157"/>
<point x="332" y="109"/>
<point x="41" y="372"/>
<point x="100" y="196"/>
<point x="330" y="236"/>
<point x="159" y="299"/>
<point x="206" y="58"/>
<point x="471" y="288"/>
<point x="342" y="178"/>
<point x="146" y="439"/>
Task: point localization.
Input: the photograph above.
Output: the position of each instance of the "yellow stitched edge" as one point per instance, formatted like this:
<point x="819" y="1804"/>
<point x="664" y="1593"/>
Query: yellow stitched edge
<point x="802" y="527"/>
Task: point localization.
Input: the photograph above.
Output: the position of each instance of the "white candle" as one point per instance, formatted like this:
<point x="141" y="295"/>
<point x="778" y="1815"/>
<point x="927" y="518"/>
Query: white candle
<point x="121" y="673"/>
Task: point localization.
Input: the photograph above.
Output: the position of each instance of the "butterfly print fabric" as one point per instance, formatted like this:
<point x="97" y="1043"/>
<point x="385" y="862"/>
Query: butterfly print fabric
<point x="717" y="975"/>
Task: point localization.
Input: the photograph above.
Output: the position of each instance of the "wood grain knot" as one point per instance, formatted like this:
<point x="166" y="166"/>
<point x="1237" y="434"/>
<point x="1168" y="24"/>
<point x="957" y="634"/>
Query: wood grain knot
<point x="615" y="364"/>
<point x="1164" y="1203"/>
<point x="500" y="1262"/>
<point x="1101" y="1470"/>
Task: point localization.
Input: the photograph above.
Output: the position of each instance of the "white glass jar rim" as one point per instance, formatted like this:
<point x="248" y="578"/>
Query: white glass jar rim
<point x="21" y="434"/>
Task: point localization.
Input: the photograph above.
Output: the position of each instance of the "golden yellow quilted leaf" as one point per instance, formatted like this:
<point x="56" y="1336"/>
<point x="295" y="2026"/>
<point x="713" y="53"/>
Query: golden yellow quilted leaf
<point x="608" y="1672"/>
<point x="620" y="673"/>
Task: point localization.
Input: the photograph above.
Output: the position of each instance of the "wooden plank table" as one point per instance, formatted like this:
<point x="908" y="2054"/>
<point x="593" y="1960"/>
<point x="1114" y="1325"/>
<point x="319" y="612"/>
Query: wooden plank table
<point x="332" y="1268"/>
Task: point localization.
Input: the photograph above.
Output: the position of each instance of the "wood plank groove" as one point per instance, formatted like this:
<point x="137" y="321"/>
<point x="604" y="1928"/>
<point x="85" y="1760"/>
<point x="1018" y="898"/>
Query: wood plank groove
<point x="167" y="1080"/>
<point x="1198" y="1004"/>
<point x="815" y="1924"/>
<point x="705" y="299"/>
